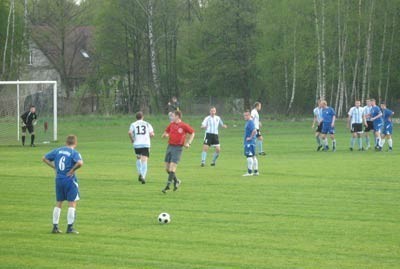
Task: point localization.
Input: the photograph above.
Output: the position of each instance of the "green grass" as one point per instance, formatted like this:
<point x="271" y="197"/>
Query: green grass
<point x="307" y="209"/>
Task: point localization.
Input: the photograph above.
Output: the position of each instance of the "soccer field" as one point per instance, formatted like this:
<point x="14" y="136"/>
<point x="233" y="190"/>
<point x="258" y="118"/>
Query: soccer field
<point x="307" y="209"/>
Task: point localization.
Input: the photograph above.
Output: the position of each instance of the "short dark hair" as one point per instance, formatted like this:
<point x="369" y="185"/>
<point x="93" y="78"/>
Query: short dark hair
<point x="31" y="106"/>
<point x="178" y="114"/>
<point x="256" y="104"/>
<point x="71" y="140"/>
<point x="372" y="100"/>
<point x="139" y="115"/>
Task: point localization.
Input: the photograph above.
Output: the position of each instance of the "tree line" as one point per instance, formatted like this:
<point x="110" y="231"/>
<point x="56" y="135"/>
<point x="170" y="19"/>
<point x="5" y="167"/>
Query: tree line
<point x="287" y="54"/>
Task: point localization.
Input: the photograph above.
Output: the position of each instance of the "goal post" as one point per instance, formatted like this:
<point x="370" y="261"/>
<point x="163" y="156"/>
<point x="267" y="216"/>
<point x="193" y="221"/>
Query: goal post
<point x="19" y="97"/>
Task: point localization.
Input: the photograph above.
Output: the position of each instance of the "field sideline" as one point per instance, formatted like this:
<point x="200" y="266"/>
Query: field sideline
<point x="307" y="209"/>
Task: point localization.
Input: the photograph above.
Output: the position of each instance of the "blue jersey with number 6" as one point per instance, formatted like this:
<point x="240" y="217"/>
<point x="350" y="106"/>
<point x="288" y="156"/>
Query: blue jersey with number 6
<point x="64" y="159"/>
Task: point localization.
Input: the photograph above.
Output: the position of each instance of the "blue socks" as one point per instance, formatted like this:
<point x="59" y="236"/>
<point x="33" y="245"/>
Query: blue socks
<point x="215" y="157"/>
<point x="203" y="157"/>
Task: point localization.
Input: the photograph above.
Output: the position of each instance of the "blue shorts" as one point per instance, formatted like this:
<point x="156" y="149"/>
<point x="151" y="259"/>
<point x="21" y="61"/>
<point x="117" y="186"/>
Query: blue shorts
<point x="327" y="128"/>
<point x="67" y="189"/>
<point x="249" y="150"/>
<point x="378" y="126"/>
<point x="388" y="128"/>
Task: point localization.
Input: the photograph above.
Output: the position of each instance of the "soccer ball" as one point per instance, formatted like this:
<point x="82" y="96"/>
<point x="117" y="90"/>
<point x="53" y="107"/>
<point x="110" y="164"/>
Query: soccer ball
<point x="164" y="218"/>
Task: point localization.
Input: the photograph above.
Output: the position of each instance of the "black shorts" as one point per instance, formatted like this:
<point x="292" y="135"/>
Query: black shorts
<point x="211" y="140"/>
<point x="319" y="128"/>
<point x="369" y="127"/>
<point x="356" y="128"/>
<point x="142" y="152"/>
<point x="258" y="134"/>
<point x="30" y="129"/>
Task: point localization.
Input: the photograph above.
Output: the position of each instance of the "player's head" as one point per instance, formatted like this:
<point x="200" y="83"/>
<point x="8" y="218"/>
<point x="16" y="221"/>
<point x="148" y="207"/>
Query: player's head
<point x="213" y="111"/>
<point x="324" y="103"/>
<point x="247" y="115"/>
<point x="72" y="141"/>
<point x="139" y="115"/>
<point x="357" y="103"/>
<point x="373" y="102"/>
<point x="368" y="102"/>
<point x="383" y="105"/>
<point x="174" y="99"/>
<point x="177" y="116"/>
<point x="257" y="105"/>
<point x="32" y="109"/>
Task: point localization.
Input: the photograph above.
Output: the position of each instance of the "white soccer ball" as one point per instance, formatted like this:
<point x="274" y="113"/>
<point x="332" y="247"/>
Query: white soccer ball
<point x="164" y="218"/>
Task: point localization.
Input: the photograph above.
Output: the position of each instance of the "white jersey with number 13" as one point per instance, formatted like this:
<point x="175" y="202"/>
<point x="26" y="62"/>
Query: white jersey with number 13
<point x="141" y="131"/>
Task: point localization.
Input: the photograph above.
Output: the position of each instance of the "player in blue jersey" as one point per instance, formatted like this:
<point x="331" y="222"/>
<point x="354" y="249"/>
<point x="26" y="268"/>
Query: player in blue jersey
<point x="376" y="118"/>
<point x="328" y="125"/>
<point x="387" y="126"/>
<point x="318" y="119"/>
<point x="250" y="132"/>
<point x="65" y="161"/>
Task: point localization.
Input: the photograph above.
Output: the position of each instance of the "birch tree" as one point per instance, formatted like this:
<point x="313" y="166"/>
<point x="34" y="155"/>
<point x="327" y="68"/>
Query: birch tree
<point x="381" y="60"/>
<point x="294" y="70"/>
<point x="153" y="63"/>
<point x="318" y="92"/>
<point x="390" y="57"/>
<point x="3" y="69"/>
<point x="323" y="86"/>
<point x="354" y="91"/>
<point x="367" y="55"/>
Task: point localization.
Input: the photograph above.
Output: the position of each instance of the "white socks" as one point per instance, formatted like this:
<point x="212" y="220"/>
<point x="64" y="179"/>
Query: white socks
<point x="139" y="166"/>
<point x="143" y="171"/>
<point x="255" y="164"/>
<point x="56" y="215"/>
<point x="250" y="164"/>
<point x="390" y="142"/>
<point x="71" y="215"/>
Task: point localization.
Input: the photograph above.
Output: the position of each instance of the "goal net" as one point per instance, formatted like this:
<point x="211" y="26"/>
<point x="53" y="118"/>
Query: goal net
<point x="16" y="97"/>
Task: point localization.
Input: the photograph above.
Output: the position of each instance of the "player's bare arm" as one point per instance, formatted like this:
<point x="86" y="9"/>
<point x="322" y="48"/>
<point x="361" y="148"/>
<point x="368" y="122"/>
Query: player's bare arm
<point x="377" y="117"/>
<point x="333" y="121"/>
<point x="49" y="163"/>
<point x="76" y="167"/>
<point x="252" y="135"/>
<point x="189" y="140"/>
<point x="314" y="121"/>
<point x="132" y="138"/>
<point x="165" y="134"/>
<point x="348" y="121"/>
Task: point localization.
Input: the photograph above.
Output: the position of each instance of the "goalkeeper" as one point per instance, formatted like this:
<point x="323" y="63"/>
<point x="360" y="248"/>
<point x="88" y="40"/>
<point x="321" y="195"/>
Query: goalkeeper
<point x="29" y="120"/>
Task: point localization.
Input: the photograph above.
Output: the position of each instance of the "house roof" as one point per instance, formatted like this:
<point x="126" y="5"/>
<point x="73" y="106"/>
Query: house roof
<point x="78" y="49"/>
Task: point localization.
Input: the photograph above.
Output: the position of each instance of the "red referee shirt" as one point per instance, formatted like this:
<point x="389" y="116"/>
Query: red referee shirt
<point x="177" y="133"/>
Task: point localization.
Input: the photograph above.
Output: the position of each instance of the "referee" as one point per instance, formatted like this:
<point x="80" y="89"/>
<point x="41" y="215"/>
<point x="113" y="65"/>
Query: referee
<point x="29" y="120"/>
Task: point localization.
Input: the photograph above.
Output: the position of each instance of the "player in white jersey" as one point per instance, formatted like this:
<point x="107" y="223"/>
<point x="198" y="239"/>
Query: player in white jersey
<point x="369" y="125"/>
<point x="140" y="133"/>
<point x="318" y="119"/>
<point x="355" y="122"/>
<point x="211" y="123"/>
<point x="256" y="119"/>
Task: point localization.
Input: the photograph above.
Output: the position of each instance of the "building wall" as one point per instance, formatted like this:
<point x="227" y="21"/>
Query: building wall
<point x="39" y="67"/>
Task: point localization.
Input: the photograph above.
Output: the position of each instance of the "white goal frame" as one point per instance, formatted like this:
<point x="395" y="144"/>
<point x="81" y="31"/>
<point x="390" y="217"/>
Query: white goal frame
<point x="52" y="82"/>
